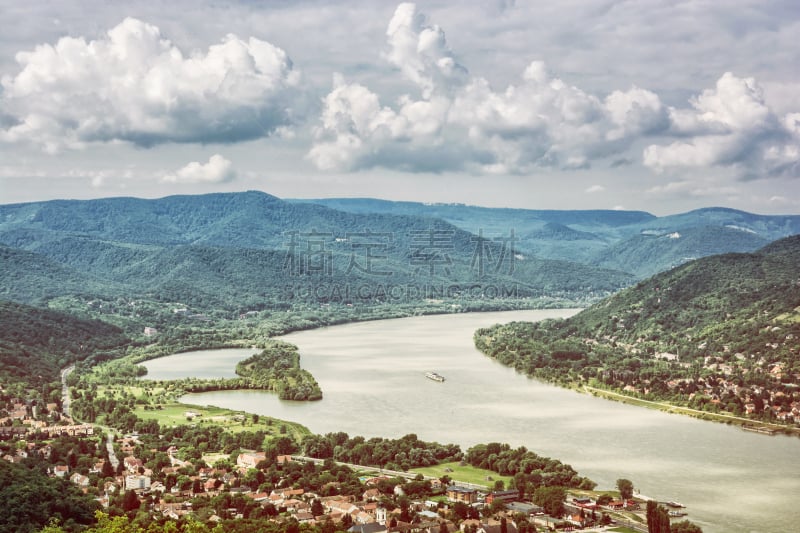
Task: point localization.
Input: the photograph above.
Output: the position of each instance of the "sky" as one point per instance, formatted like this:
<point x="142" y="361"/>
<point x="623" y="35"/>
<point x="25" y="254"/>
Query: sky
<point x="661" y="106"/>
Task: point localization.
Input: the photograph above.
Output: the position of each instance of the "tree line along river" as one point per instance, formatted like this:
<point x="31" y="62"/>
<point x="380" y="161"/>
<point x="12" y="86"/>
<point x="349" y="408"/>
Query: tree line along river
<point x="373" y="378"/>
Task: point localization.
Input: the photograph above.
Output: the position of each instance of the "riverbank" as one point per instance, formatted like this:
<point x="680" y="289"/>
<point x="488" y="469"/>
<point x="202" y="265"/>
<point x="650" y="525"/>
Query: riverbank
<point x="376" y="370"/>
<point x="748" y="424"/>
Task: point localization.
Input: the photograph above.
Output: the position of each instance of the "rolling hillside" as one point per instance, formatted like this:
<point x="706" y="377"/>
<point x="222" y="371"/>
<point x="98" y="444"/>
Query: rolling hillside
<point x="241" y="250"/>
<point x="36" y="343"/>
<point x="631" y="241"/>
<point x="719" y="333"/>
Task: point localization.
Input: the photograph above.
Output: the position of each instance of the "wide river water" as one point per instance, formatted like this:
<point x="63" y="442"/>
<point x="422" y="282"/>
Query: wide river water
<point x="372" y="376"/>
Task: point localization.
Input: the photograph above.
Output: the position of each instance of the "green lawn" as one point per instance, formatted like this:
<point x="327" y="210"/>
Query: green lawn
<point x="466" y="474"/>
<point x="623" y="529"/>
<point x="174" y="414"/>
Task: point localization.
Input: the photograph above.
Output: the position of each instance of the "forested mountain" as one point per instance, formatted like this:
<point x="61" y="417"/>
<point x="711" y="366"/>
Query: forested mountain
<point x="719" y="333"/>
<point x="31" y="499"/>
<point x="36" y="343"/>
<point x="240" y="250"/>
<point x="632" y="241"/>
<point x="33" y="278"/>
<point x="647" y="254"/>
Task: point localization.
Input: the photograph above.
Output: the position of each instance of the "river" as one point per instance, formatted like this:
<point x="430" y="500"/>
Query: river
<point x="372" y="377"/>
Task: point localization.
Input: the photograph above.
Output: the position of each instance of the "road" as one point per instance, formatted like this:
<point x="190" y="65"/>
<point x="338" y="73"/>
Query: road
<point x="65" y="390"/>
<point x="65" y="401"/>
<point x="112" y="457"/>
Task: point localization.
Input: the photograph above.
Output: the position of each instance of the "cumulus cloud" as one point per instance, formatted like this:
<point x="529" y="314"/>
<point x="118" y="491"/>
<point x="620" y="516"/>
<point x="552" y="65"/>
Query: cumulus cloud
<point x="217" y="170"/>
<point x="421" y="52"/>
<point x="594" y="189"/>
<point x="539" y="122"/>
<point x="731" y="126"/>
<point x="134" y="85"/>
<point x="460" y="122"/>
<point x="635" y="112"/>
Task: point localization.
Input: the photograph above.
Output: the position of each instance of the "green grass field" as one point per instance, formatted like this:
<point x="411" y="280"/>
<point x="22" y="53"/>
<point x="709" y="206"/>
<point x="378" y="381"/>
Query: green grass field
<point x="175" y="414"/>
<point x="466" y="474"/>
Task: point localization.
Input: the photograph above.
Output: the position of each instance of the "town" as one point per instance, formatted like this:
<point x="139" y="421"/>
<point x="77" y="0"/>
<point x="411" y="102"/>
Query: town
<point x="180" y="476"/>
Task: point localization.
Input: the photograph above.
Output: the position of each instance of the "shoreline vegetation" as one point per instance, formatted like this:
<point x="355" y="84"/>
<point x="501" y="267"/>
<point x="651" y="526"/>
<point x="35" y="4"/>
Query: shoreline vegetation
<point x="715" y="338"/>
<point x="483" y="340"/>
<point x="747" y="424"/>
<point x="276" y="368"/>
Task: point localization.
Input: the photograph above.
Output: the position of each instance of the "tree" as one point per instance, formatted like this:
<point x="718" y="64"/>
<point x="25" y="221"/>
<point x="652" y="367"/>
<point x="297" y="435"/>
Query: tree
<point x="404" y="504"/>
<point x="604" y="499"/>
<point x="651" y="515"/>
<point x="684" y="526"/>
<point x="460" y="511"/>
<point x="107" y="470"/>
<point x="130" y="502"/>
<point x="551" y="499"/>
<point x="292" y="526"/>
<point x="316" y="508"/>
<point x="625" y="488"/>
<point x="657" y="518"/>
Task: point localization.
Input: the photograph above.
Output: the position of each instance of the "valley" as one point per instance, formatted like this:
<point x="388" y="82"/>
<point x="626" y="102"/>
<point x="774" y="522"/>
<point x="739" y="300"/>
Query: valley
<point x="105" y="286"/>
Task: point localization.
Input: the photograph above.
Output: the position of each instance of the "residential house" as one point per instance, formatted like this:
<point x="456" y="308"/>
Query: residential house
<point x="462" y="494"/>
<point x="136" y="482"/>
<point x="80" y="480"/>
<point x="373" y="527"/>
<point x="502" y="496"/>
<point x="250" y="459"/>
<point x="371" y="495"/>
<point x="524" y="508"/>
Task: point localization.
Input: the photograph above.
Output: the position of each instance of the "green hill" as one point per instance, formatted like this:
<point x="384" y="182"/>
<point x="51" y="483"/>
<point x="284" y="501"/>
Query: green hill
<point x="36" y="343"/>
<point x="717" y="333"/>
<point x="32" y="278"/>
<point x="630" y="241"/>
<point x="239" y="251"/>
<point x="650" y="253"/>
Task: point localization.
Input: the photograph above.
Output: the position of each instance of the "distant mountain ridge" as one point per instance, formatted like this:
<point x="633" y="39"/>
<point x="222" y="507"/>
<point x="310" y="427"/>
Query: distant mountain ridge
<point x="238" y="250"/>
<point x="630" y="241"/>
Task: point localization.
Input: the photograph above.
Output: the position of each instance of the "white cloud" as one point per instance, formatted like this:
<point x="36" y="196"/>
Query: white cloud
<point x="594" y="189"/>
<point x="217" y="170"/>
<point x="134" y="85"/>
<point x="421" y="52"/>
<point x="465" y="124"/>
<point x="635" y="112"/>
<point x="731" y="126"/>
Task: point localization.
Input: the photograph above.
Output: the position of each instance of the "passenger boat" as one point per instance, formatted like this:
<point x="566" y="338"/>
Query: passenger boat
<point x="434" y="376"/>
